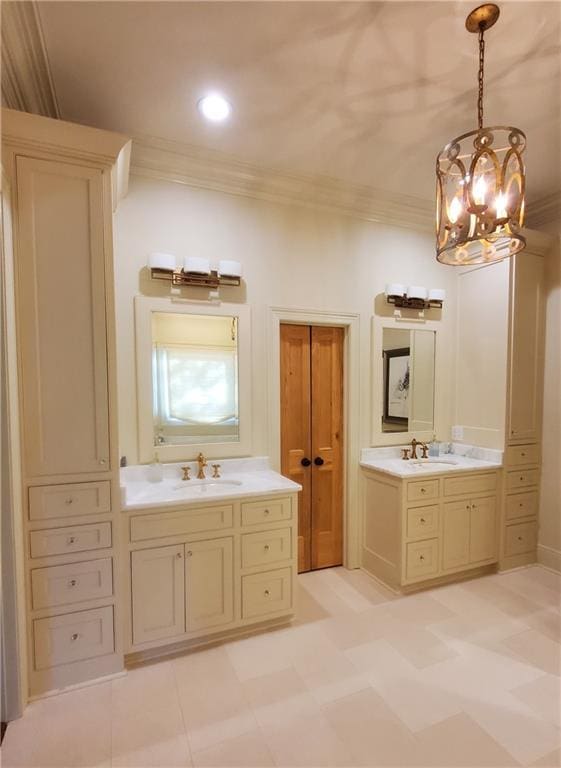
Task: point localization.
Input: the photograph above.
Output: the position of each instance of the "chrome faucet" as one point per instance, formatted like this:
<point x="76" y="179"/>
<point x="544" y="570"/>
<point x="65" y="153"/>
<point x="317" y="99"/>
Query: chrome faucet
<point x="202" y="462"/>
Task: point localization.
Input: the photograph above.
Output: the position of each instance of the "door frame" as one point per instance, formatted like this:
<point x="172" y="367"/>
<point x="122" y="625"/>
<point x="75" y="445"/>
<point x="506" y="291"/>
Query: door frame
<point x="351" y="416"/>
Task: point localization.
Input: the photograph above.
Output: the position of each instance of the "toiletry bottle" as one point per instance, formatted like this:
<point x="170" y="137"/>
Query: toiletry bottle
<point x="433" y="447"/>
<point x="155" y="473"/>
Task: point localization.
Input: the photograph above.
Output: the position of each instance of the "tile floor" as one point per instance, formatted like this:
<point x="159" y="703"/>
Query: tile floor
<point x="462" y="675"/>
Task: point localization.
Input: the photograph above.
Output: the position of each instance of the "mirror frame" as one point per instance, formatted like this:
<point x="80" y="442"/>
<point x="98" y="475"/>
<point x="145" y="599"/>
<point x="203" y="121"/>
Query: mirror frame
<point x="144" y="307"/>
<point x="442" y="383"/>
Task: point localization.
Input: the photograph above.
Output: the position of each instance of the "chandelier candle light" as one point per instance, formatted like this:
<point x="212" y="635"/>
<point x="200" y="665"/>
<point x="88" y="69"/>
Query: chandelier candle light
<point x="480" y="181"/>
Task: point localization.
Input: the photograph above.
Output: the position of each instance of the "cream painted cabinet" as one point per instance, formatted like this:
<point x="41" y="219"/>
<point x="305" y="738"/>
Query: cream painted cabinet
<point x="158" y="593"/>
<point x="63" y="330"/>
<point x="209" y="581"/>
<point x="525" y="364"/>
<point x="438" y="527"/>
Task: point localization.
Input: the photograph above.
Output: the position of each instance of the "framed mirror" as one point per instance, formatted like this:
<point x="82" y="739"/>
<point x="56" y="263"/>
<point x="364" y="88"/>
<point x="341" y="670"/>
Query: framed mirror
<point x="193" y="380"/>
<point x="408" y="380"/>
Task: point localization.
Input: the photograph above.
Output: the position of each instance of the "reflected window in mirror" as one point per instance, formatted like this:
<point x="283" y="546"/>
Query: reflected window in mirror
<point x="408" y="386"/>
<point x="194" y="378"/>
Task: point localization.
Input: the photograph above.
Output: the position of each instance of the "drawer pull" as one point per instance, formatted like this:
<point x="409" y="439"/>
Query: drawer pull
<point x="103" y="461"/>
<point x="188" y="553"/>
<point x="467" y="506"/>
<point x="179" y="555"/>
<point x="522" y="454"/>
<point x="520" y="538"/>
<point x="71" y="540"/>
<point x="423" y="490"/>
<point x="421" y="557"/>
<point x="69" y="500"/>
<point x="266" y="512"/>
<point x="266" y="547"/>
<point x="266" y="593"/>
<point x="422" y="520"/>
<point x="72" y="582"/>
<point x="74" y="637"/>
<point x="521" y="478"/>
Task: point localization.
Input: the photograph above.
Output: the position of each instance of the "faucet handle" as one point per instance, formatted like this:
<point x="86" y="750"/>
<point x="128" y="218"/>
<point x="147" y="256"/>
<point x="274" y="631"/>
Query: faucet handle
<point x="405" y="454"/>
<point x="186" y="473"/>
<point x="215" y="470"/>
<point x="424" y="449"/>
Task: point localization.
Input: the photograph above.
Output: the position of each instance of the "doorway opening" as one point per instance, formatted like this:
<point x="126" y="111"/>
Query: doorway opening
<point x="312" y="436"/>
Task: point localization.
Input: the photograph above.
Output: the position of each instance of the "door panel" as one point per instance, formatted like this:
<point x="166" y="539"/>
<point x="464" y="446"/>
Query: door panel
<point x="209" y="582"/>
<point x="327" y="446"/>
<point x="295" y="426"/>
<point x="456" y="534"/>
<point x="483" y="530"/>
<point x="158" y="593"/>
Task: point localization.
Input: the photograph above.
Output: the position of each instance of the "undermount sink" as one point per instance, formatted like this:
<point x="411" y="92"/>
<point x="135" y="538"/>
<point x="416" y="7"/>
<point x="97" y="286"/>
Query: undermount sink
<point x="432" y="464"/>
<point x="202" y="486"/>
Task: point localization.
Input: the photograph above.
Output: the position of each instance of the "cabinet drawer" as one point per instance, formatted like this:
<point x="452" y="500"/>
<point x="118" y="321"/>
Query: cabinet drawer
<point x="73" y="637"/>
<point x="49" y="501"/>
<point x="521" y="505"/>
<point x="521" y="478"/>
<point x="519" y="455"/>
<point x="422" y="559"/>
<point x="422" y="490"/>
<point x="457" y="486"/>
<point x="266" y="547"/>
<point x="182" y="521"/>
<point x="521" y="538"/>
<point x="274" y="511"/>
<point x="76" y="538"/>
<point x="64" y="584"/>
<point x="265" y="593"/>
<point x="422" y="522"/>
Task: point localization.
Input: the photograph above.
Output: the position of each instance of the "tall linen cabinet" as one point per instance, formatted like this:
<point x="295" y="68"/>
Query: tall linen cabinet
<point x="65" y="180"/>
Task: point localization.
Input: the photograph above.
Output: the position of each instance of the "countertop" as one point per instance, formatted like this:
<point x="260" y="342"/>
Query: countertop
<point x="462" y="459"/>
<point x="239" y="478"/>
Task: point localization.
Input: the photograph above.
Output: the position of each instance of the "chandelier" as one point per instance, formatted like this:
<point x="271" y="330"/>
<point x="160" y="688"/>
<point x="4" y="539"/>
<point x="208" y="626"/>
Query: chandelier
<point x="480" y="181"/>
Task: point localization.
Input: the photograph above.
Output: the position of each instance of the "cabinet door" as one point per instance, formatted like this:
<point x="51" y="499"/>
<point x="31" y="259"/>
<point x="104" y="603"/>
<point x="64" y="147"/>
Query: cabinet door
<point x="209" y="583"/>
<point x="483" y="530"/>
<point x="524" y="407"/>
<point x="158" y="593"/>
<point x="455" y="540"/>
<point x="62" y="321"/>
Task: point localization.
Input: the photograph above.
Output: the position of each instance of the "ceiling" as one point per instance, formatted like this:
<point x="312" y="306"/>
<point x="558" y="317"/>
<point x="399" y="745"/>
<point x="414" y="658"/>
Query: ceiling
<point x="366" y="93"/>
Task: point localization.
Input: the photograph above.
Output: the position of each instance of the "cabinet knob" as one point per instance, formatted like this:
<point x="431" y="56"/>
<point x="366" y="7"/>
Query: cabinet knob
<point x="522" y="454"/>
<point x="520" y="538"/>
<point x="103" y="461"/>
<point x="423" y="490"/>
<point x="266" y="593"/>
<point x="421" y="557"/>
<point x="74" y="637"/>
<point x="179" y="555"/>
<point x="266" y="547"/>
<point x="467" y="506"/>
<point x="69" y="500"/>
<point x="266" y="511"/>
<point x="72" y="583"/>
<point x="422" y="520"/>
<point x="189" y="553"/>
<point x="71" y="540"/>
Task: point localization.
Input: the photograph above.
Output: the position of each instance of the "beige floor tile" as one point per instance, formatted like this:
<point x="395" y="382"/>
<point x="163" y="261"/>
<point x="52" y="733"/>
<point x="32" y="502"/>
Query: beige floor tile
<point x="506" y="600"/>
<point x="247" y="751"/>
<point x="537" y="584"/>
<point x="259" y="655"/>
<point x="309" y="610"/>
<point x="279" y="697"/>
<point x="351" y="630"/>
<point x="547" y="621"/>
<point x="344" y="590"/>
<point x="307" y="742"/>
<point x="371" y="731"/>
<point x="466" y="604"/>
<point x="371" y="589"/>
<point x="419" y="610"/>
<point x="459" y="741"/>
<point x="544" y="577"/>
<point x="482" y="633"/>
<point x="323" y="595"/>
<point x="553" y="760"/>
<point x="536" y="649"/>
<point x="543" y="696"/>
<point x="70" y="730"/>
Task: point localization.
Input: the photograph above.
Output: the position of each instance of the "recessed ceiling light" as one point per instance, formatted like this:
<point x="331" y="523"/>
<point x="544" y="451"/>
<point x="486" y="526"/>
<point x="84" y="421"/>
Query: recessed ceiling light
<point x="214" y="107"/>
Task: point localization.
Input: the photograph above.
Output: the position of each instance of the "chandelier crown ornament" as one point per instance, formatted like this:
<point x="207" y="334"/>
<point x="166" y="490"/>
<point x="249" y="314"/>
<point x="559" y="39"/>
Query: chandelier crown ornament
<point x="480" y="181"/>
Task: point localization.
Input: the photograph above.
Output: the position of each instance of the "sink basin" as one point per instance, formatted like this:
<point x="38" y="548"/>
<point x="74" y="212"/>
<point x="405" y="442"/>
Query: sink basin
<point x="203" y="486"/>
<point x="433" y="464"/>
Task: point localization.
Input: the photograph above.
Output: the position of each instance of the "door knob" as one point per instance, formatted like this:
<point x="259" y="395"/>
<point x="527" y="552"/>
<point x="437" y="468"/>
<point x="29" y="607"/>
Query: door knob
<point x="305" y="462"/>
<point x="318" y="461"/>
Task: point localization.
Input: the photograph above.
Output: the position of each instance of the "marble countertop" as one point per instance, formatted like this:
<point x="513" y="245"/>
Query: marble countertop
<point x="462" y="458"/>
<point x="143" y="487"/>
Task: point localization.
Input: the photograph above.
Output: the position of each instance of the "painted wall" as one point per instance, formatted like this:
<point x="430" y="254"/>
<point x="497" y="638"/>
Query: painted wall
<point x="292" y="257"/>
<point x="549" y="541"/>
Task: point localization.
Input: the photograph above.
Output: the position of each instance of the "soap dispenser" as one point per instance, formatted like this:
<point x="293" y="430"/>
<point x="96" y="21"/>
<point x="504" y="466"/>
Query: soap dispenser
<point x="155" y="473"/>
<point x="434" y="447"/>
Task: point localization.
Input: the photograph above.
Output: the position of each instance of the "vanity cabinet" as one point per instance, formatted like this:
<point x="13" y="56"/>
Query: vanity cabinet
<point x="64" y="181"/>
<point x="202" y="570"/>
<point x="418" y="530"/>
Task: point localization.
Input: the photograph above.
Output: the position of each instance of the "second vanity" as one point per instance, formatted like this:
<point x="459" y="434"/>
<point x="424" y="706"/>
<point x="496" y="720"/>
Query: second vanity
<point x="206" y="558"/>
<point x="426" y="521"/>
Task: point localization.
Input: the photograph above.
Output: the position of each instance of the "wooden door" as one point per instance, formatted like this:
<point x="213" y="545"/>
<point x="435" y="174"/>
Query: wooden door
<point x="312" y="437"/>
<point x="456" y="534"/>
<point x="483" y="530"/>
<point x="209" y="583"/>
<point x="525" y="385"/>
<point x="158" y="593"/>
<point x="62" y="320"/>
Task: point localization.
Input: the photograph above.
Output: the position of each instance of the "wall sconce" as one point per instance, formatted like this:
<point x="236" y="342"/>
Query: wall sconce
<point x="414" y="296"/>
<point x="194" y="271"/>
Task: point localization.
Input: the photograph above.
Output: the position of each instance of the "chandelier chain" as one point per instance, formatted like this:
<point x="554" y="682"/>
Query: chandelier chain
<point x="480" y="77"/>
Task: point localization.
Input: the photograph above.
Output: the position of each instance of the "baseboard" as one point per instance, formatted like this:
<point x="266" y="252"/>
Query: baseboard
<point x="549" y="557"/>
<point x="3" y="727"/>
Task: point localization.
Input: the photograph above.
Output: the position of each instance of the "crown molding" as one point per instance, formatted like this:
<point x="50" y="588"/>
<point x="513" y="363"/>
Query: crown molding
<point x="27" y="84"/>
<point x="544" y="211"/>
<point x="207" y="169"/>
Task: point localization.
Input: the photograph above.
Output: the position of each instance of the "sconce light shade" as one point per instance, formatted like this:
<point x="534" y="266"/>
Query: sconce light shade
<point x="197" y="265"/>
<point x="162" y="261"/>
<point x="437" y="294"/>
<point x="416" y="292"/>
<point x="395" y="289"/>
<point x="229" y="268"/>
